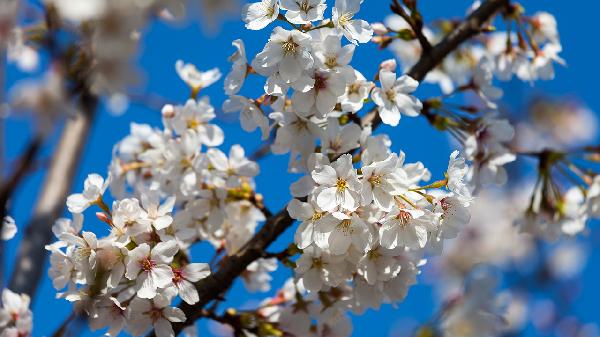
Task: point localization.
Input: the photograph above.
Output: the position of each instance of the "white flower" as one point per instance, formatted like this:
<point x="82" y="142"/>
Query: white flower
<point x="378" y="265"/>
<point x="310" y="216"/>
<point x="126" y="215"/>
<point x="184" y="279"/>
<point x="339" y="139"/>
<point x="357" y="31"/>
<point x="195" y="116"/>
<point x="542" y="65"/>
<point x="544" y="27"/>
<point x="405" y="228"/>
<point x="62" y="269"/>
<point x="231" y="169"/>
<point x="482" y="79"/>
<point x="155" y="313"/>
<point x="593" y="198"/>
<point x="194" y="78"/>
<point x="381" y="180"/>
<point x="454" y="215"/>
<point x="9" y="228"/>
<point x="16" y="318"/>
<point x="258" y="15"/>
<point x="239" y="69"/>
<point x="294" y="133"/>
<point x="157" y="215"/>
<point x="573" y="215"/>
<point x="316" y="268"/>
<point x="80" y="11"/>
<point x="322" y="98"/>
<point x="108" y="312"/>
<point x="257" y="275"/>
<point x="287" y="52"/>
<point x="339" y="186"/>
<point x="150" y="267"/>
<point x="93" y="188"/>
<point x="251" y="116"/>
<point x="329" y="54"/>
<point x="393" y="97"/>
<point x="457" y="170"/>
<point x="303" y="11"/>
<point x="356" y="93"/>
<point x="336" y="233"/>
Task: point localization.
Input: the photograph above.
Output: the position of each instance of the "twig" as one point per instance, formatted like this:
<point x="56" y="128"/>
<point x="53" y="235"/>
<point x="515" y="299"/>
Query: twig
<point x="222" y="279"/>
<point x="416" y="25"/>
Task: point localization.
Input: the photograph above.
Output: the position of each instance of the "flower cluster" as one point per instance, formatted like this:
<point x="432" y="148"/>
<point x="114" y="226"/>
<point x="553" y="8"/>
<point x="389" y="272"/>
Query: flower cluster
<point x="174" y="188"/>
<point x="367" y="227"/>
<point x="529" y="53"/>
<point x="16" y="318"/>
<point x="310" y="83"/>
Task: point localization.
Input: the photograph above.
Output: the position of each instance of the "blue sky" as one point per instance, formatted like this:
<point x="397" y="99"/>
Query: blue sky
<point x="163" y="44"/>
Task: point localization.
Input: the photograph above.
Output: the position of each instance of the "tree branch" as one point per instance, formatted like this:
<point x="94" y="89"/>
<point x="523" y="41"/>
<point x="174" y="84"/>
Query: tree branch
<point x="52" y="198"/>
<point x="221" y="280"/>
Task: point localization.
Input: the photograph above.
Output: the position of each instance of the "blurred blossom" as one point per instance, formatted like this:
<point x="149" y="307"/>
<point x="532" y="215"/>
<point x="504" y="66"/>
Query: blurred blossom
<point x="543" y="314"/>
<point x="45" y="97"/>
<point x="8" y="14"/>
<point x="567" y="260"/>
<point x="556" y="123"/>
<point x="588" y="330"/>
<point x="484" y="241"/>
<point x="516" y="310"/>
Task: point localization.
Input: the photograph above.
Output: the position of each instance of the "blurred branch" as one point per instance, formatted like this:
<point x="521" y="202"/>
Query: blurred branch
<point x="52" y="198"/>
<point x="233" y="266"/>
<point x="24" y="165"/>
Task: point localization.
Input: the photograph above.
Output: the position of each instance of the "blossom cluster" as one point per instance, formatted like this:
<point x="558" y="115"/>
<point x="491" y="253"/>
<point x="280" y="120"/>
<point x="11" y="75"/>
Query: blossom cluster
<point x="16" y="318"/>
<point x="529" y="53"/>
<point x="173" y="188"/>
